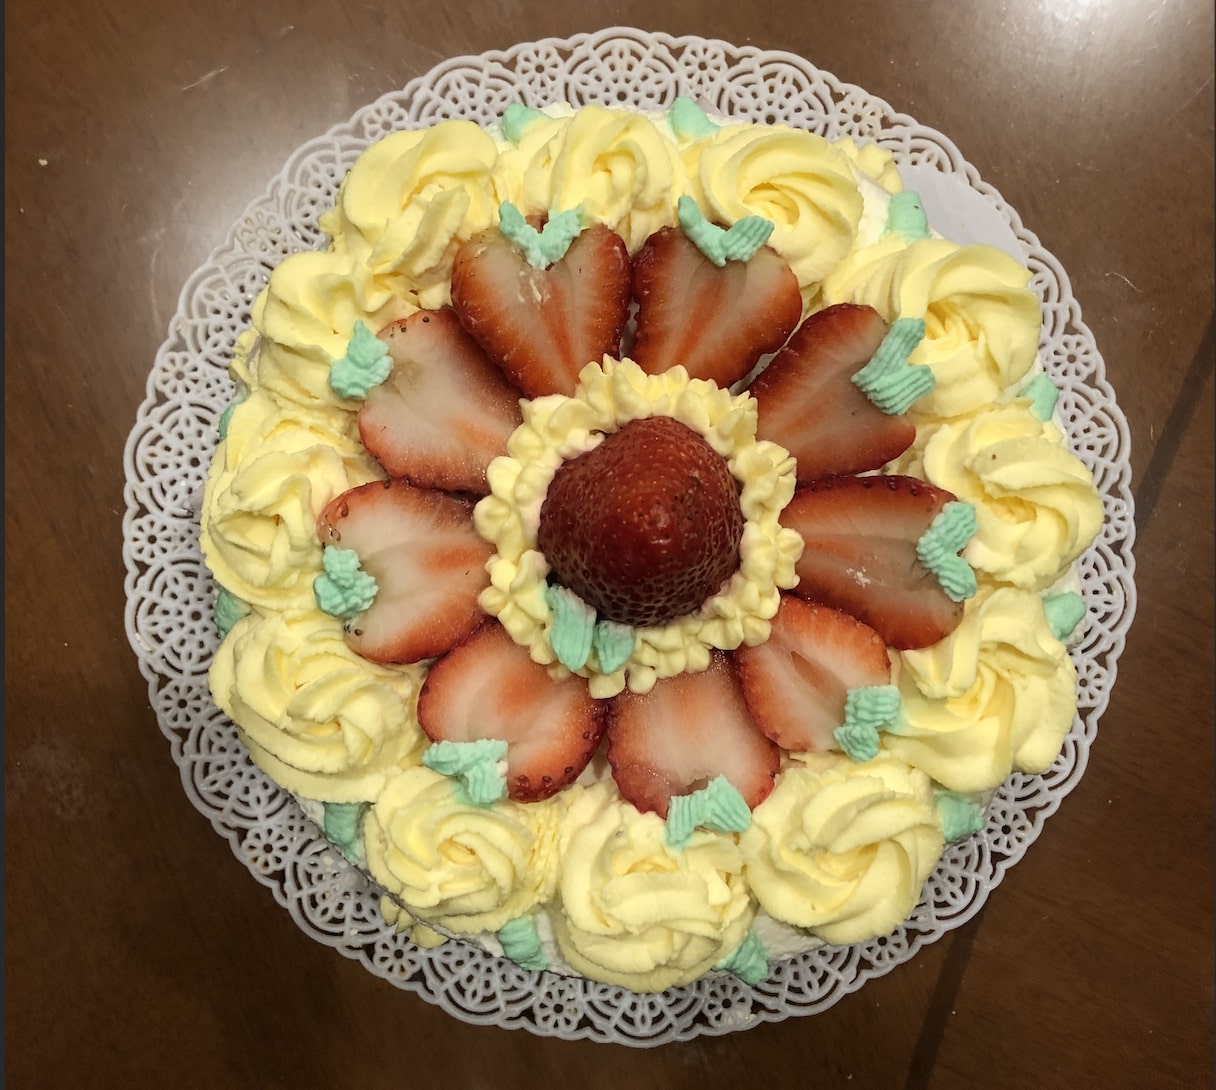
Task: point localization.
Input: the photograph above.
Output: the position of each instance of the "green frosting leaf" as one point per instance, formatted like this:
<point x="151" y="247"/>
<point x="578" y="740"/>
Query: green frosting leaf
<point x="225" y="419"/>
<point x="867" y="710"/>
<point x="1043" y="396"/>
<point x="688" y="121"/>
<point x="474" y="765"/>
<point x="342" y="824"/>
<point x="939" y="545"/>
<point x="739" y="242"/>
<point x="544" y="247"/>
<point x="344" y="590"/>
<point x="521" y="943"/>
<point x="613" y="643"/>
<point x="573" y="627"/>
<point x="516" y="118"/>
<point x="228" y="609"/>
<point x="718" y="807"/>
<point x="890" y="382"/>
<point x="1064" y="612"/>
<point x="749" y="962"/>
<point x="367" y="363"/>
<point x="906" y="217"/>
<point x="958" y="815"/>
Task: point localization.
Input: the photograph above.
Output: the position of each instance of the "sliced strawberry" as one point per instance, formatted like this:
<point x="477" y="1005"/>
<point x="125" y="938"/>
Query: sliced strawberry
<point x="428" y="562"/>
<point x="809" y="404"/>
<point x="688" y="730"/>
<point x="445" y="410"/>
<point x="543" y="326"/>
<point x="489" y="687"/>
<point x="796" y="682"/>
<point x="860" y="536"/>
<point x="715" y="321"/>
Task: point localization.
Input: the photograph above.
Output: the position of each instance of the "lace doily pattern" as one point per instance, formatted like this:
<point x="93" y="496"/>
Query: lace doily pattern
<point x="169" y="592"/>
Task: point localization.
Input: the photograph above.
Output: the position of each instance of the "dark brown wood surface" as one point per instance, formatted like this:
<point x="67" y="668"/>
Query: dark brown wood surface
<point x="139" y="952"/>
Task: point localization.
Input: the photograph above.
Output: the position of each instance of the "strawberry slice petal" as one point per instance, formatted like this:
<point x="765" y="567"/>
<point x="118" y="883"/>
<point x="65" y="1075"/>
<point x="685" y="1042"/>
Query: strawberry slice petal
<point x="444" y="412"/>
<point x="809" y="404"/>
<point x="715" y="321"/>
<point x="543" y="326"/>
<point x="860" y="536"/>
<point x="796" y="683"/>
<point x="489" y="687"/>
<point x="688" y="730"/>
<point x="428" y="562"/>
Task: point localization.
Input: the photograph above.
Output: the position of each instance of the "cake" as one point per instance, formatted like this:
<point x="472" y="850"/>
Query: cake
<point x="642" y="543"/>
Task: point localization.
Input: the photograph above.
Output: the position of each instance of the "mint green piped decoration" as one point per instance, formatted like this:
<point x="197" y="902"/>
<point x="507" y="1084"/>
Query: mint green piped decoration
<point x="1064" y="612"/>
<point x="958" y="816"/>
<point x="516" y="118"/>
<point x="939" y="545"/>
<point x="739" y="242"/>
<point x="890" y="382"/>
<point x="749" y="962"/>
<point x="573" y="627"/>
<point x="342" y="823"/>
<point x="906" y="217"/>
<point x="367" y="363"/>
<point x="344" y="590"/>
<point x="225" y="419"/>
<point x="614" y="643"/>
<point x="688" y="121"/>
<point x="521" y="943"/>
<point x="1043" y="396"/>
<point x="718" y="807"/>
<point x="540" y="248"/>
<point x="474" y="765"/>
<point x="867" y="710"/>
<point x="228" y="609"/>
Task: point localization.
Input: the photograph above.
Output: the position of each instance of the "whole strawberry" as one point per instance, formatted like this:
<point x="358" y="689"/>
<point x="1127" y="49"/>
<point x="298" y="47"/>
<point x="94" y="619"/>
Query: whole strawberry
<point x="646" y="526"/>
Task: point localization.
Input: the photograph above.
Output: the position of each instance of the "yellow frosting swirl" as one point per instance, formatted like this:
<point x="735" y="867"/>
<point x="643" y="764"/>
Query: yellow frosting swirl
<point x="996" y="695"/>
<point x="843" y="848"/>
<point x="981" y="319"/>
<point x="557" y="428"/>
<point x="637" y="912"/>
<point x="269" y="481"/>
<point x="311" y="704"/>
<point x="1035" y="502"/>
<point x="456" y="865"/>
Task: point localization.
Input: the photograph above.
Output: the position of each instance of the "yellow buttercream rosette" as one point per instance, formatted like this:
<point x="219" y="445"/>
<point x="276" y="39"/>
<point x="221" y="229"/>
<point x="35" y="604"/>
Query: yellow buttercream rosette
<point x="996" y="695"/>
<point x="322" y="721"/>
<point x="556" y="428"/>
<point x="842" y="848"/>
<point x="637" y="912"/>
<point x="456" y="865"/>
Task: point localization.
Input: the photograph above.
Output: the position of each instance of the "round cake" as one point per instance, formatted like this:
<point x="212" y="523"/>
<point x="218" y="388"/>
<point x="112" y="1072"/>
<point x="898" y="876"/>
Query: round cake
<point x="642" y="542"/>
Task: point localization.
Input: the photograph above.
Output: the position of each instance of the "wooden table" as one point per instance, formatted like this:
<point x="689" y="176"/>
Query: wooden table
<point x="140" y="953"/>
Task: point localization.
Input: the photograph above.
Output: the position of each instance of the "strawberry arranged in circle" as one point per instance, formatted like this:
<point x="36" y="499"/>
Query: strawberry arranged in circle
<point x="543" y="326"/>
<point x="645" y="526"/>
<point x="489" y="687"/>
<point x="796" y="683"/>
<point x="809" y="404"/>
<point x="444" y="412"/>
<point x="715" y="321"/>
<point x="860" y="537"/>
<point x="428" y="563"/>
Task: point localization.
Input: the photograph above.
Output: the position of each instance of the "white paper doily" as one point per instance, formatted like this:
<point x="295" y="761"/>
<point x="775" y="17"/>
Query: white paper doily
<point x="169" y="591"/>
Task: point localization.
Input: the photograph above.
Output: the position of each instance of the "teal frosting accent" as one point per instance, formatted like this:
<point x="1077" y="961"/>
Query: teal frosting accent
<point x="1064" y="612"/>
<point x="739" y="242"/>
<point x="614" y="643"/>
<point x="749" y="962"/>
<point x="474" y="765"/>
<point x="516" y="118"/>
<point x="718" y="806"/>
<point x="344" y="590"/>
<point x="540" y="248"/>
<point x="221" y="425"/>
<point x="573" y="627"/>
<point x="867" y="710"/>
<point x="228" y="609"/>
<point x="958" y="815"/>
<point x="688" y="121"/>
<point x="890" y="382"/>
<point x="1043" y="395"/>
<point x="906" y="217"/>
<point x="367" y="363"/>
<point x="343" y="820"/>
<point x="521" y="943"/>
<point x="939" y="545"/>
